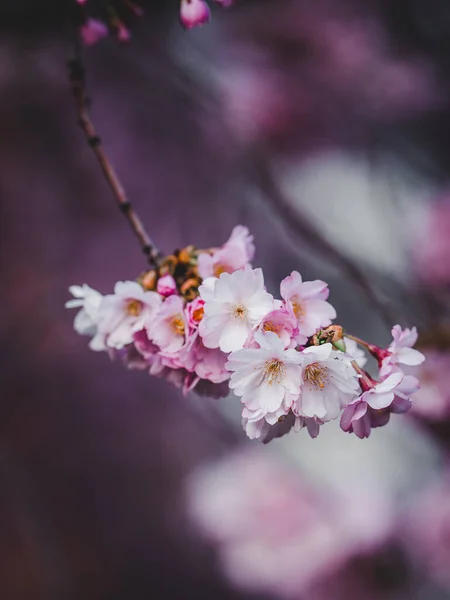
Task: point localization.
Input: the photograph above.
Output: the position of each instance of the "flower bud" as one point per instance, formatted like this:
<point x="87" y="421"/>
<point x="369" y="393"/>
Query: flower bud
<point x="194" y="13"/>
<point x="166" y="286"/>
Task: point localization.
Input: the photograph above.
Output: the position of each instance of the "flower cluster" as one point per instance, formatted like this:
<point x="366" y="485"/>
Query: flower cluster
<point x="204" y="320"/>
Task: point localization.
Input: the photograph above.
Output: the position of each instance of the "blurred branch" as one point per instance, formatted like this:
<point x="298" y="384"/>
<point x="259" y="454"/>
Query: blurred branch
<point x="302" y="227"/>
<point x="77" y="80"/>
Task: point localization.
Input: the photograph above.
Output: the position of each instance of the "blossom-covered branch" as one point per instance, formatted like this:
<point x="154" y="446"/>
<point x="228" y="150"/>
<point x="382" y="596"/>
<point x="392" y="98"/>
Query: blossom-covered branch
<point x="204" y="320"/>
<point x="77" y="79"/>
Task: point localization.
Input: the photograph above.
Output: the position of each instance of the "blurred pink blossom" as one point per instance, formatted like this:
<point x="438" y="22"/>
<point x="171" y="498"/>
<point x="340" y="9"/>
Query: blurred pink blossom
<point x="276" y="533"/>
<point x="194" y="13"/>
<point x="93" y="31"/>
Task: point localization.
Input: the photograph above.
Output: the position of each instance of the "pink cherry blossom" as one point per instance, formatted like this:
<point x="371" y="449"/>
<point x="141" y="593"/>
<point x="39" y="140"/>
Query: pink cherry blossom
<point x="93" y="31"/>
<point x="166" y="286"/>
<point x="275" y="533"/>
<point x="194" y="13"/>
<point x="194" y="313"/>
<point x="267" y="378"/>
<point x="374" y="407"/>
<point x="128" y="310"/>
<point x="168" y="329"/>
<point x="280" y="321"/>
<point x="400" y="351"/>
<point x="308" y="302"/>
<point x="88" y="300"/>
<point x="329" y="383"/>
<point x="235" y="254"/>
<point x="237" y="305"/>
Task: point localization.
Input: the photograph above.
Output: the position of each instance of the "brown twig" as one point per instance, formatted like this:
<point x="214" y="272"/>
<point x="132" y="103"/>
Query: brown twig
<point x="77" y="80"/>
<point x="302" y="227"/>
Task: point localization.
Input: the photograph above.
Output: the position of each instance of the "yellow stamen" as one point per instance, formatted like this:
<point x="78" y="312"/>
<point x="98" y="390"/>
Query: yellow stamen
<point x="178" y="324"/>
<point x="219" y="269"/>
<point x="299" y="311"/>
<point x="268" y="326"/>
<point x="274" y="370"/>
<point x="197" y="314"/>
<point x="239" y="311"/>
<point x="134" y="308"/>
<point x="315" y="375"/>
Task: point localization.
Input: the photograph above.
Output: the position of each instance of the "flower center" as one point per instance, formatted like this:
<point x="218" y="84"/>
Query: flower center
<point x="134" y="308"/>
<point x="298" y="309"/>
<point x="219" y="269"/>
<point x="315" y="375"/>
<point x="268" y="326"/>
<point x="178" y="324"/>
<point x="197" y="314"/>
<point x="274" y="370"/>
<point x="239" y="311"/>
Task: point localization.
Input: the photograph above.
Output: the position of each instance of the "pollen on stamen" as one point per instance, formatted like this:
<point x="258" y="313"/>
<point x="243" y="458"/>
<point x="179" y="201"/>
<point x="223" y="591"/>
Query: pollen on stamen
<point x="315" y="375"/>
<point x="239" y="311"/>
<point x="274" y="371"/>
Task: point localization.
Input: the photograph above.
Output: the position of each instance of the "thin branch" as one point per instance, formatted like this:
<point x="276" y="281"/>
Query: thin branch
<point x="77" y="80"/>
<point x="302" y="227"/>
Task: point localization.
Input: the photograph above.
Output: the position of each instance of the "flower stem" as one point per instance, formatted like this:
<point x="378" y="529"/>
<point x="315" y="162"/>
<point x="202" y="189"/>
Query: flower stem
<point x="77" y="80"/>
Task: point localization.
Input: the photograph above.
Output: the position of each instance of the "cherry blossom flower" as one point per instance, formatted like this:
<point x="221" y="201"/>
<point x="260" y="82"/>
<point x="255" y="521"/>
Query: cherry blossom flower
<point x="194" y="313"/>
<point x="166" y="286"/>
<point x="374" y="407"/>
<point x="267" y="378"/>
<point x="274" y="532"/>
<point x="93" y="31"/>
<point x="238" y="304"/>
<point x="329" y="383"/>
<point x="168" y="329"/>
<point x="194" y="13"/>
<point x="280" y="321"/>
<point x="237" y="253"/>
<point x="126" y="311"/>
<point x="400" y="351"/>
<point x="88" y="300"/>
<point x="308" y="302"/>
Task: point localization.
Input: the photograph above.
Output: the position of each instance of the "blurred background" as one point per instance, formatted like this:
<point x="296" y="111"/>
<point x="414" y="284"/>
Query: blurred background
<point x="325" y="128"/>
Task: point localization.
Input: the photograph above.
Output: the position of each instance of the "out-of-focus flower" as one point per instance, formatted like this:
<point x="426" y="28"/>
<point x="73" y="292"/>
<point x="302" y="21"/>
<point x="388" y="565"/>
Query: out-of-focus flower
<point x="194" y="13"/>
<point x="237" y="253"/>
<point x="166" y="286"/>
<point x="425" y="531"/>
<point x="432" y="248"/>
<point x="432" y="401"/>
<point x="277" y="534"/>
<point x="329" y="383"/>
<point x="267" y="378"/>
<point x="168" y="329"/>
<point x="307" y="300"/>
<point x="88" y="300"/>
<point x="238" y="304"/>
<point x="93" y="31"/>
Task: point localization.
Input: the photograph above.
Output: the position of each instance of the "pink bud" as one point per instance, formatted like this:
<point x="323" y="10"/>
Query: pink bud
<point x="194" y="13"/>
<point x="166" y="286"/>
<point x="122" y="33"/>
<point x="93" y="31"/>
